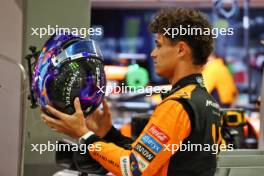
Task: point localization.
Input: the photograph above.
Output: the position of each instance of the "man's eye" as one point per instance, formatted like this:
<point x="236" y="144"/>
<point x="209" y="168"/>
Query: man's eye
<point x="158" y="46"/>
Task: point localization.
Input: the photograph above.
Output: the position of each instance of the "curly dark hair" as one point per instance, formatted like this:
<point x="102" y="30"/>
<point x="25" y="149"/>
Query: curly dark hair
<point x="201" y="45"/>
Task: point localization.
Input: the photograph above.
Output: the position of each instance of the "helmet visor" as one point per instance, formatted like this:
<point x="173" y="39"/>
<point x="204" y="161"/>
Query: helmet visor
<point x="81" y="49"/>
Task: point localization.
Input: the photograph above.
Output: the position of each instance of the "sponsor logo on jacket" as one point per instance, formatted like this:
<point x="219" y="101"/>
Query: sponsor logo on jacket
<point x="151" y="143"/>
<point x="143" y="151"/>
<point x="134" y="166"/>
<point x="125" y="168"/>
<point x="141" y="162"/>
<point x="156" y="132"/>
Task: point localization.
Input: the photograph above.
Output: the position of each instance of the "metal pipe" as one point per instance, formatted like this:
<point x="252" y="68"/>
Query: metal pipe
<point x="22" y="112"/>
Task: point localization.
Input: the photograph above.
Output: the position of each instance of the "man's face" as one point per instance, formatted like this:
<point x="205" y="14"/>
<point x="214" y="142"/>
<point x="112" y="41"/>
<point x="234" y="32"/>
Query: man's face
<point x="165" y="57"/>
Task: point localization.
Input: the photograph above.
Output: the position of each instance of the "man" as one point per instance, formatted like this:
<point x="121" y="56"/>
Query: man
<point x="187" y="115"/>
<point x="221" y="86"/>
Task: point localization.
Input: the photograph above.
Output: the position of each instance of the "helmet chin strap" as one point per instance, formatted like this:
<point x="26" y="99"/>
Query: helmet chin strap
<point x="34" y="55"/>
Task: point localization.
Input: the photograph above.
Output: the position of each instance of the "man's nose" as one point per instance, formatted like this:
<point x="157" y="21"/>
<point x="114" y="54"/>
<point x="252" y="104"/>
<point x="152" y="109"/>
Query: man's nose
<point x="153" y="54"/>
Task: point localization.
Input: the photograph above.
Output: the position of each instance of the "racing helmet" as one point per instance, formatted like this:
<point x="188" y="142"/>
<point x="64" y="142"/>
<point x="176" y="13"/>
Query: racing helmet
<point x="68" y="67"/>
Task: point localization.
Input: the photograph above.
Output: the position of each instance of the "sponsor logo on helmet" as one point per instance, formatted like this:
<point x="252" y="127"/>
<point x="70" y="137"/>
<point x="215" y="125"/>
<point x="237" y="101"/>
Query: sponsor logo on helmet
<point x="74" y="65"/>
<point x="69" y="87"/>
<point x="97" y="77"/>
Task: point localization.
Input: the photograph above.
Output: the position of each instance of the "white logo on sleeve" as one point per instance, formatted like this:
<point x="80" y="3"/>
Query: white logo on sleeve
<point x="125" y="168"/>
<point x="141" y="163"/>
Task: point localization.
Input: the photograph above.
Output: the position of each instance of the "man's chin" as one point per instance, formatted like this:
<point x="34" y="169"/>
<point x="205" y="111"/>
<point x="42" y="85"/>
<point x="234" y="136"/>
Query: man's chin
<point x="158" y="72"/>
<point x="161" y="74"/>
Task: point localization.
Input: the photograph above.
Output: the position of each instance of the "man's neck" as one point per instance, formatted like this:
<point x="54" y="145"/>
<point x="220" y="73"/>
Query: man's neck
<point x="181" y="73"/>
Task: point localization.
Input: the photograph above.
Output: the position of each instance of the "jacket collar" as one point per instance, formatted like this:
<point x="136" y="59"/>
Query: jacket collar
<point x="190" y="79"/>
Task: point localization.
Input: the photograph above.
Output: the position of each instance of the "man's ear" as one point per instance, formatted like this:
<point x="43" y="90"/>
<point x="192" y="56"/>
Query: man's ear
<point x="182" y="48"/>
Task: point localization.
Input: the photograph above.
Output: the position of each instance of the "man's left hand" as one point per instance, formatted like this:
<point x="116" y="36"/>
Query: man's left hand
<point x="72" y="125"/>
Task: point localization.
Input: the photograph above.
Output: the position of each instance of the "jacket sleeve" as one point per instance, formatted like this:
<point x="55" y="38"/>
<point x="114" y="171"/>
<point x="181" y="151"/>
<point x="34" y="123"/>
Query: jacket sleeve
<point x="117" y="138"/>
<point x="168" y="126"/>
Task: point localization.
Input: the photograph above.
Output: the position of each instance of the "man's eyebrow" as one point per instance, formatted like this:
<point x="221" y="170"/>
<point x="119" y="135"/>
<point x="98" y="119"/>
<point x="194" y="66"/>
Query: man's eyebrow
<point x="156" y="41"/>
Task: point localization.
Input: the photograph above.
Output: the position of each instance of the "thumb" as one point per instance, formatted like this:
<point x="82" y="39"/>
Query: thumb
<point x="77" y="105"/>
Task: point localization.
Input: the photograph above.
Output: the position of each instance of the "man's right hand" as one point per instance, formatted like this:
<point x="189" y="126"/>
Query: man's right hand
<point x="100" y="122"/>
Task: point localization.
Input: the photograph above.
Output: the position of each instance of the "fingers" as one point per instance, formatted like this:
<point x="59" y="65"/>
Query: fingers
<point x="77" y="105"/>
<point x="97" y="112"/>
<point x="56" y="113"/>
<point x="53" y="123"/>
<point x="106" y="107"/>
<point x="94" y="115"/>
